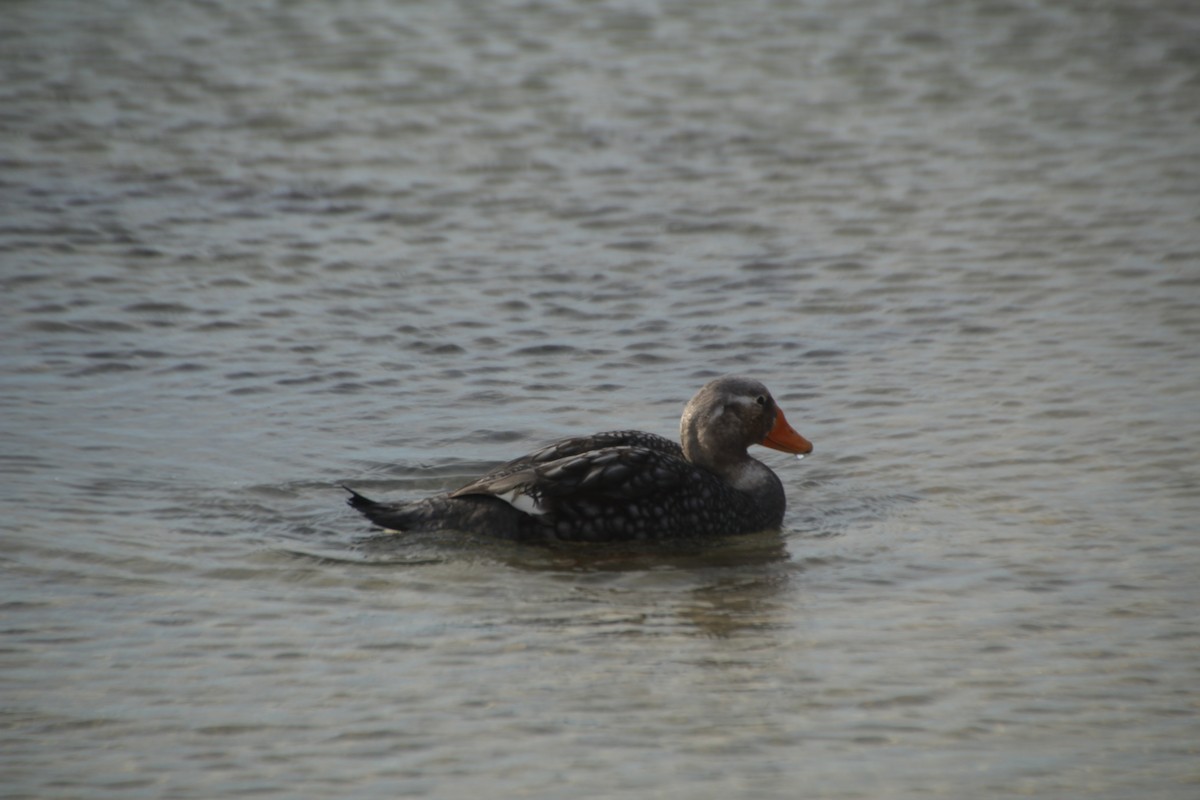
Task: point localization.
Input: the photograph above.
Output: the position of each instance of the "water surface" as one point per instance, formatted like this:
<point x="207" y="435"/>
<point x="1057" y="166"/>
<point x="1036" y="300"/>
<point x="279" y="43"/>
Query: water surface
<point x="252" y="251"/>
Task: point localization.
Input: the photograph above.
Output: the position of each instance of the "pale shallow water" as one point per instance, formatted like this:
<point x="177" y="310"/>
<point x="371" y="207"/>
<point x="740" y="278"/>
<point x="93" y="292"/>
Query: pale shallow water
<point x="253" y="250"/>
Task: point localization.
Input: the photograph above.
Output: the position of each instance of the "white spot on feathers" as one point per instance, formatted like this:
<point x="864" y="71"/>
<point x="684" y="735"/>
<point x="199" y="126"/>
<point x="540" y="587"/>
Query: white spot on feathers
<point x="524" y="502"/>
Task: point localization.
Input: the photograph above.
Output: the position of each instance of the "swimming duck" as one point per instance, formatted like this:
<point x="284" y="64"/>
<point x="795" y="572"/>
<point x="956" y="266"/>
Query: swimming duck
<point x="626" y="485"/>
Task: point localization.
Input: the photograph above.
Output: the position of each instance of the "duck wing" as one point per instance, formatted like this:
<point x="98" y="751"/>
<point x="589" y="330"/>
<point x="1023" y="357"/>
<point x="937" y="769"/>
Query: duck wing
<point x="584" y="483"/>
<point x="580" y="445"/>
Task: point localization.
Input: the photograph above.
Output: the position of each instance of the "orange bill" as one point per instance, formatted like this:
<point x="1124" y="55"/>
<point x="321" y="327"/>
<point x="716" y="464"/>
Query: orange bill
<point x="784" y="437"/>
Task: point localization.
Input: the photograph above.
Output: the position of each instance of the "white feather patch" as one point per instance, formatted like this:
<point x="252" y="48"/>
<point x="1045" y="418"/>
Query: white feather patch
<point x="524" y="502"/>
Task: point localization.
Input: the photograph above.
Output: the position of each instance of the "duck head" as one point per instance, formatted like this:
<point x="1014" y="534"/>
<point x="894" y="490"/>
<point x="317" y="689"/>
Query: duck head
<point x="728" y="415"/>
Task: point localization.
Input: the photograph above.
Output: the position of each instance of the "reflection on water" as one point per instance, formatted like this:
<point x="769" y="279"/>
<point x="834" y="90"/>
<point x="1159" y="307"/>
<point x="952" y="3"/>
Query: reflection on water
<point x="718" y="587"/>
<point x="249" y="253"/>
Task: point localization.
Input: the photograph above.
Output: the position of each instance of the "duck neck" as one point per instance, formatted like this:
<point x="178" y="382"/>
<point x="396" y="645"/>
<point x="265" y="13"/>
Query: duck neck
<point x="751" y="476"/>
<point x="741" y="470"/>
<point x="761" y="488"/>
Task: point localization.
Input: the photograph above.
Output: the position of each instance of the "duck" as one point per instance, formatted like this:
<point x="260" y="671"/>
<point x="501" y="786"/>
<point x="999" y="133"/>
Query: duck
<point x="627" y="485"/>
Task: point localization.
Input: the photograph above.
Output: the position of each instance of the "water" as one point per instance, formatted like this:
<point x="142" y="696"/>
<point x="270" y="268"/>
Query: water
<point x="252" y="250"/>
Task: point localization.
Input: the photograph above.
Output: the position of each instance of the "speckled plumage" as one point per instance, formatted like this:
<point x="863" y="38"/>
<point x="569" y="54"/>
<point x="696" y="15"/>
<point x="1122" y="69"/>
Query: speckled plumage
<point x="626" y="485"/>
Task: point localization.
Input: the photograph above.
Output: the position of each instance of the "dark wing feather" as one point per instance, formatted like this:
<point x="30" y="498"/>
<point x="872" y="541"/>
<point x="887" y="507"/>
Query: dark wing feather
<point x="578" y="445"/>
<point x="605" y="475"/>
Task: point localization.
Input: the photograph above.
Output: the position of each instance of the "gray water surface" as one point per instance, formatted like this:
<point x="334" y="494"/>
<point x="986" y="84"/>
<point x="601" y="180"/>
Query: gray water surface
<point x="250" y="251"/>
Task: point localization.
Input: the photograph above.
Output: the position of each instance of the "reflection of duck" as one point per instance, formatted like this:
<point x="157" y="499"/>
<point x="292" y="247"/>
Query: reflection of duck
<point x="627" y="485"/>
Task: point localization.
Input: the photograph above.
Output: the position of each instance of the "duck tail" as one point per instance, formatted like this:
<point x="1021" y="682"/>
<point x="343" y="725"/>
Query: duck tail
<point x="359" y="502"/>
<point x="389" y="516"/>
<point x="442" y="512"/>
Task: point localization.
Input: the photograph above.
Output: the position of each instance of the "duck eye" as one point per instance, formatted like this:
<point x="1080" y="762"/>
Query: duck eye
<point x="762" y="401"/>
